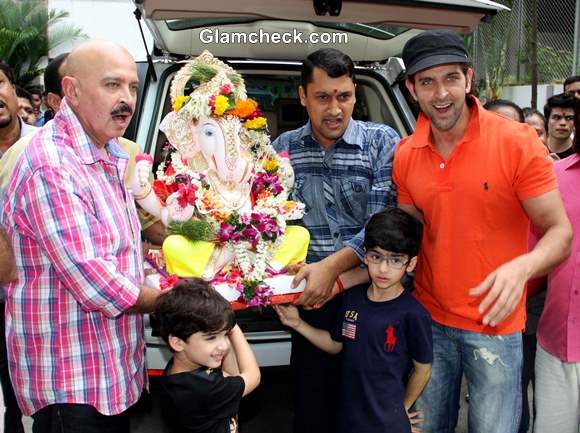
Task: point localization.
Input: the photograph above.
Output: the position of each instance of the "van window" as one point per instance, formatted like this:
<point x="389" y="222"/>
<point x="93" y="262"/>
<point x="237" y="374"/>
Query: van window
<point x="277" y="95"/>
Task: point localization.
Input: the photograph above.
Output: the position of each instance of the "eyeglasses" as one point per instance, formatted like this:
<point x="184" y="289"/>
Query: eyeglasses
<point x="395" y="262"/>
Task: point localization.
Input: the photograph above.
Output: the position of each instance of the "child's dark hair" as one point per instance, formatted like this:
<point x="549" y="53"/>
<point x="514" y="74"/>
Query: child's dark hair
<point x="192" y="306"/>
<point x="394" y="230"/>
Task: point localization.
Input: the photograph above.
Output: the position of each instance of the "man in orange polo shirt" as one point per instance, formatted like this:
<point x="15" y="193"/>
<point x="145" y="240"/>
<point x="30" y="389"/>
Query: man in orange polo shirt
<point x="476" y="179"/>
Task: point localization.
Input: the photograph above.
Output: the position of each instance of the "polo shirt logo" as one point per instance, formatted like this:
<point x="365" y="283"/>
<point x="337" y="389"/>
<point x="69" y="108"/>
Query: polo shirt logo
<point x="485" y="186"/>
<point x="390" y="339"/>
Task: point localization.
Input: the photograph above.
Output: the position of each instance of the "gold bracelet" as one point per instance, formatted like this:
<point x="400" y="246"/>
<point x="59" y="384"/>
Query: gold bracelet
<point x="143" y="195"/>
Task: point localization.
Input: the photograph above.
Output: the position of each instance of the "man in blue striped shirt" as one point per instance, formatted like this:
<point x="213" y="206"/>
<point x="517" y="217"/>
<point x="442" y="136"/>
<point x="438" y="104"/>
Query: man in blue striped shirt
<point x="342" y="173"/>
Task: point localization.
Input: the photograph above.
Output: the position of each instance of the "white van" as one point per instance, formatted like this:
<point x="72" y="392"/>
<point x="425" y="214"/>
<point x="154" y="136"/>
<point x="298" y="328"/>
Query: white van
<point x="265" y="42"/>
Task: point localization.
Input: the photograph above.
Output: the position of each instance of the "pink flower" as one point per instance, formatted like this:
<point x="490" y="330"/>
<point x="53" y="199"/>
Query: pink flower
<point x="251" y="235"/>
<point x="169" y="171"/>
<point x="261" y="298"/>
<point x="169" y="282"/>
<point x="276" y="187"/>
<point x="225" y="89"/>
<point x="227" y="232"/>
<point x="271" y="230"/>
<point x="257" y="218"/>
<point x="256" y="113"/>
<point x="186" y="193"/>
<point x="263" y="181"/>
<point x="235" y="275"/>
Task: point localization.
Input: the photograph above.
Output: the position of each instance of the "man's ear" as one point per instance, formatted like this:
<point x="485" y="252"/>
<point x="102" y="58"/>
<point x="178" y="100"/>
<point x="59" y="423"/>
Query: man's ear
<point x="175" y="343"/>
<point x="469" y="78"/>
<point x="53" y="101"/>
<point x="70" y="89"/>
<point x="410" y="84"/>
<point x="411" y="265"/>
<point x="302" y="94"/>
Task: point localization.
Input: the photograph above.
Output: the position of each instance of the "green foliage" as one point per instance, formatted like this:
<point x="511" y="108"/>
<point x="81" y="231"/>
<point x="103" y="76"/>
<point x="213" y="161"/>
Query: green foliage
<point x="28" y="30"/>
<point x="194" y="230"/>
<point x="250" y="288"/>
<point x="552" y="62"/>
<point x="203" y="73"/>
<point x="496" y="35"/>
<point x="235" y="78"/>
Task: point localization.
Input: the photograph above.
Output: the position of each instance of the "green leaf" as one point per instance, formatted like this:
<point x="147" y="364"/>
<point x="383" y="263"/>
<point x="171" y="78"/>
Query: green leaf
<point x="28" y="31"/>
<point x="194" y="230"/>
<point x="203" y="73"/>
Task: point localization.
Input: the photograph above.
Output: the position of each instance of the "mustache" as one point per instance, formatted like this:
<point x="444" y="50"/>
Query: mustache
<point x="122" y="108"/>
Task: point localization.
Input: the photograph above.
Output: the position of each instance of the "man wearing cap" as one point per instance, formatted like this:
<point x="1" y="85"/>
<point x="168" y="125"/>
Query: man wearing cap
<point x="476" y="179"/>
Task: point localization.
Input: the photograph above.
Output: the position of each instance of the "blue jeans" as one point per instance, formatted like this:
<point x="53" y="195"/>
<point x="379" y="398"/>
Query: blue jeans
<point x="492" y="367"/>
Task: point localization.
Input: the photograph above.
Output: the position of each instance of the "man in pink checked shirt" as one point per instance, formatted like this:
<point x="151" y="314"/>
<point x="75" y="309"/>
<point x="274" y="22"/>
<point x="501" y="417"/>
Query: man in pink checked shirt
<point x="557" y="386"/>
<point x="74" y="326"/>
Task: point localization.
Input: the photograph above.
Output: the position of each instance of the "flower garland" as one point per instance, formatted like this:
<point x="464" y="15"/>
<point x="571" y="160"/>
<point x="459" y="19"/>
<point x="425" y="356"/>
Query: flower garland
<point x="225" y="103"/>
<point x="252" y="236"/>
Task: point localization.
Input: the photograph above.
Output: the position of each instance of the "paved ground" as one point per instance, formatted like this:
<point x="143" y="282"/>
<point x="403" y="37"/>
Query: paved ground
<point x="266" y="410"/>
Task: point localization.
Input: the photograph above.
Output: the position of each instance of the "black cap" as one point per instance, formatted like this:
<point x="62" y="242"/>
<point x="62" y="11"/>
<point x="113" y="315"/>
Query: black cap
<point x="433" y="48"/>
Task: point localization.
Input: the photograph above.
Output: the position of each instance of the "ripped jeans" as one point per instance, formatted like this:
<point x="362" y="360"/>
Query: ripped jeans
<point x="492" y="367"/>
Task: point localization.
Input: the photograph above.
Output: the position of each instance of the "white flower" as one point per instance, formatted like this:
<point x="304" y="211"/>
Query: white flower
<point x="195" y="108"/>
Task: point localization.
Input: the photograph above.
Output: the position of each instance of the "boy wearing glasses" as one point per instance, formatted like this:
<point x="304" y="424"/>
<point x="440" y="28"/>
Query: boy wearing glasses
<point x="383" y="333"/>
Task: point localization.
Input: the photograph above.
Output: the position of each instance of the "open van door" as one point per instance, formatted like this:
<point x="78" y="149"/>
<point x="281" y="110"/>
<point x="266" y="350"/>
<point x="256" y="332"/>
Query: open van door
<point x="375" y="29"/>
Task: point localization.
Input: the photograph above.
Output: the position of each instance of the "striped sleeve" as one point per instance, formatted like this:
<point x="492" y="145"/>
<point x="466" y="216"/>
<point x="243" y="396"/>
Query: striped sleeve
<point x="383" y="193"/>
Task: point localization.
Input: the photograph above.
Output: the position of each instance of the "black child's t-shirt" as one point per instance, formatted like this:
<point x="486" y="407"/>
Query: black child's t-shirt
<point x="200" y="401"/>
<point x="380" y="340"/>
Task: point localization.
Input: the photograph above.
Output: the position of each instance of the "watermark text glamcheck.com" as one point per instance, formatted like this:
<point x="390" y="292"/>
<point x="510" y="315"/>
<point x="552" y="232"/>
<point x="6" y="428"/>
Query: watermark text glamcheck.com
<point x="217" y="36"/>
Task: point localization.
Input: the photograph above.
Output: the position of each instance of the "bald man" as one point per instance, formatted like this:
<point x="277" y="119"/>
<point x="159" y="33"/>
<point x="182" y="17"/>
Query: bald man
<point x="74" y="317"/>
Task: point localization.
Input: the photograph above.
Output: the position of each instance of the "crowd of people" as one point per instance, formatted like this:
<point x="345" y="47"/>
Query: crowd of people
<point x="478" y="203"/>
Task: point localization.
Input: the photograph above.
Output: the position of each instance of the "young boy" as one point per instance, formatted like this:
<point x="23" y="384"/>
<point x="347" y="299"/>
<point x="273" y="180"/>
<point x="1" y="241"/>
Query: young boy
<point x="382" y="333"/>
<point x="204" y="382"/>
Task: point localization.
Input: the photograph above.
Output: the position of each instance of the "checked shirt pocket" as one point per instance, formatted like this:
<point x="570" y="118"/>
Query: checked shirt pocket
<point x="302" y="192"/>
<point x="354" y="197"/>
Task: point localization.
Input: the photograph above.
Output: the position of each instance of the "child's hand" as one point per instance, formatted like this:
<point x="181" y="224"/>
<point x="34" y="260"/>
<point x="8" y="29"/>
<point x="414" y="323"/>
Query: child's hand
<point x="415" y="418"/>
<point x="288" y="315"/>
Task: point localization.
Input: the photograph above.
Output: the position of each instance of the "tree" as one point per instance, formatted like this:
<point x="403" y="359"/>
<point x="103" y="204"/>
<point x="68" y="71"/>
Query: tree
<point x="28" y="30"/>
<point x="491" y="43"/>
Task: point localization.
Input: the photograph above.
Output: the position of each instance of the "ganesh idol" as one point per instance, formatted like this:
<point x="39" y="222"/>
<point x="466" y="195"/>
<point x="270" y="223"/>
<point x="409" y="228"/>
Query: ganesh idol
<point x="222" y="190"/>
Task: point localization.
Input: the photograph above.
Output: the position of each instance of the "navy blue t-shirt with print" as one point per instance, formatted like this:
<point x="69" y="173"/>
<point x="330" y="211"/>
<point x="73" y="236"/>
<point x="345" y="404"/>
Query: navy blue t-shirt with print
<point x="380" y="340"/>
